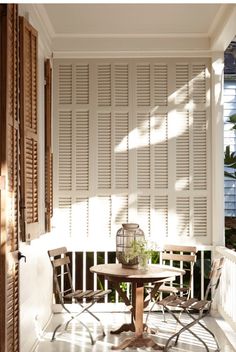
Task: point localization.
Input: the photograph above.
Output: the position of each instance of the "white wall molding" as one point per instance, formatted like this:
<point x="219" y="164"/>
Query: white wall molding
<point x="92" y="54"/>
<point x="128" y="45"/>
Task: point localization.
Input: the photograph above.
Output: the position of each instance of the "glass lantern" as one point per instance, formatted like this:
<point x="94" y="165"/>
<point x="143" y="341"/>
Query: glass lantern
<point x="125" y="239"/>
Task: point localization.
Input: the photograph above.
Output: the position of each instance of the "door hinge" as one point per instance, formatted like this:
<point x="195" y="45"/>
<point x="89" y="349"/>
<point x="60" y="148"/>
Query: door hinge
<point x="2" y="182"/>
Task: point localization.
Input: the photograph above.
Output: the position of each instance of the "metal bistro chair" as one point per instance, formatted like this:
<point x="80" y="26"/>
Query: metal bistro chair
<point x="193" y="305"/>
<point x="183" y="257"/>
<point x="64" y="289"/>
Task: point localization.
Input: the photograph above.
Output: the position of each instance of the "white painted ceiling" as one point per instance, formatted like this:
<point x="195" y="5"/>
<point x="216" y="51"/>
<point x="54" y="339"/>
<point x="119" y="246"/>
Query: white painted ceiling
<point x="132" y="19"/>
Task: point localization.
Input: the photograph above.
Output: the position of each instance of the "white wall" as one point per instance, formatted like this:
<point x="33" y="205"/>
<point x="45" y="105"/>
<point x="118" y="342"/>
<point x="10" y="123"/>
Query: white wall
<point x="35" y="274"/>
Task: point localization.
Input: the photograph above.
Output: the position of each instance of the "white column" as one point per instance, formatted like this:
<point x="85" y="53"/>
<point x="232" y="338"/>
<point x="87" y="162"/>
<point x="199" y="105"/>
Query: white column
<point x="217" y="120"/>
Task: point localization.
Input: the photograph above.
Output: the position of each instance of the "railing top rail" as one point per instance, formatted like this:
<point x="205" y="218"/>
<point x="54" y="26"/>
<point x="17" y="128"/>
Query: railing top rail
<point x="228" y="253"/>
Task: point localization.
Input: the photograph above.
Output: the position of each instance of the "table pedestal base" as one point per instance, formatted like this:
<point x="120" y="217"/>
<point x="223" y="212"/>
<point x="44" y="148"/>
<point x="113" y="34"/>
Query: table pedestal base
<point x="131" y="327"/>
<point x="138" y="342"/>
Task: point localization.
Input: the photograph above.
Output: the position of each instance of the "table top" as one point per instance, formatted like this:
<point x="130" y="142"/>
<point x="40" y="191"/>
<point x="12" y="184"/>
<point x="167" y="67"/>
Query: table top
<point x="154" y="272"/>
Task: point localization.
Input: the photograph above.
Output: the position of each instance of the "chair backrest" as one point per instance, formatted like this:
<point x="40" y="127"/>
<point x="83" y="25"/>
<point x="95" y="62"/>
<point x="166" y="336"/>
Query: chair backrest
<point x="183" y="257"/>
<point x="214" y="276"/>
<point x="60" y="261"/>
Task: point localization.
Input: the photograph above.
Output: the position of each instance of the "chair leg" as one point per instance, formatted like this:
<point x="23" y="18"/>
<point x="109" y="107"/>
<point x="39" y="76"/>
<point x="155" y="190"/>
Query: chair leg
<point x="184" y="327"/>
<point x="207" y="329"/>
<point x="95" y="317"/>
<point x="84" y="309"/>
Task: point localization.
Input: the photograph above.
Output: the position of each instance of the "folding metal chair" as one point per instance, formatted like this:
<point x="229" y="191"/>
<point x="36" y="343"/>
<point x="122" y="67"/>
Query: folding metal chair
<point x="183" y="257"/>
<point x="193" y="305"/>
<point x="60" y="261"/>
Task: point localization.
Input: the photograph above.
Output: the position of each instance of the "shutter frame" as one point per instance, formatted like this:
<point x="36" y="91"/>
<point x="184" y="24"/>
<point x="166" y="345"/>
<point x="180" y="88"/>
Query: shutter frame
<point x="48" y="146"/>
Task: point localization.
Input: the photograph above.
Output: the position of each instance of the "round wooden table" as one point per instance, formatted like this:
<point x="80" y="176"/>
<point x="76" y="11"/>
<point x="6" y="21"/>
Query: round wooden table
<point x="138" y="277"/>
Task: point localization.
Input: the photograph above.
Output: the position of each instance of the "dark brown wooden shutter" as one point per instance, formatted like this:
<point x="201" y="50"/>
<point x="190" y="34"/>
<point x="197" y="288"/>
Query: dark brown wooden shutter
<point x="29" y="130"/>
<point x="9" y="171"/>
<point x="48" y="146"/>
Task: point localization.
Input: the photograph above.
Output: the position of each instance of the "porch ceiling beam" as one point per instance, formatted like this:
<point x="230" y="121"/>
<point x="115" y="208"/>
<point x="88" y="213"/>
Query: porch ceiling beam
<point x="225" y="30"/>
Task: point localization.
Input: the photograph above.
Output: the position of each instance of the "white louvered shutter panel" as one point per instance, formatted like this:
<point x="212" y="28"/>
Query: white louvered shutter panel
<point x="160" y="140"/>
<point x="182" y="150"/>
<point x="160" y="225"/>
<point x="144" y="213"/>
<point x="65" y="84"/>
<point x="143" y="150"/>
<point x="82" y="84"/>
<point x="104" y="85"/>
<point x="199" y="83"/>
<point x="65" y="216"/>
<point x="120" y="205"/>
<point x="103" y="218"/>
<point x="199" y="150"/>
<point x="104" y="150"/>
<point x="200" y="216"/>
<point x="82" y="150"/>
<point x="183" y="216"/>
<point x="182" y="83"/>
<point x="81" y="227"/>
<point x="121" y="83"/>
<point x="132" y="146"/>
<point x="161" y="85"/>
<point x="121" y="150"/>
<point x="143" y="89"/>
<point x="65" y="150"/>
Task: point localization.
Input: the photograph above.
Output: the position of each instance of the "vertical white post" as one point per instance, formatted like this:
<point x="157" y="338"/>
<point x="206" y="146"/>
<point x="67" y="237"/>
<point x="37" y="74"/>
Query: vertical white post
<point x="217" y="120"/>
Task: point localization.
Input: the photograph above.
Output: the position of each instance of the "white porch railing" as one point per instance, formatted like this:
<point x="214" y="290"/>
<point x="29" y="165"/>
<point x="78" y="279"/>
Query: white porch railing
<point x="226" y="302"/>
<point x="83" y="279"/>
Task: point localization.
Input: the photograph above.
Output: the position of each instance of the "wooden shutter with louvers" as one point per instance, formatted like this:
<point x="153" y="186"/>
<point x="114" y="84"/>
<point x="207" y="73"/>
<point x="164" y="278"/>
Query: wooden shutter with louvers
<point x="48" y="146"/>
<point x="9" y="174"/>
<point x="29" y="130"/>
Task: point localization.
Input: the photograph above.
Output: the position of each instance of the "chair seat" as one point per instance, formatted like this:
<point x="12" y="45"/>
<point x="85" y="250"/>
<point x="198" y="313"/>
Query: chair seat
<point x="182" y="302"/>
<point x="79" y="295"/>
<point x="172" y="289"/>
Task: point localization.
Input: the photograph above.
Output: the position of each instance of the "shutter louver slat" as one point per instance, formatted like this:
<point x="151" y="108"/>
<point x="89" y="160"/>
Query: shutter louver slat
<point x="182" y="152"/>
<point x="121" y="85"/>
<point x="65" y="84"/>
<point x="82" y="214"/>
<point x="199" y="150"/>
<point x="104" y="85"/>
<point x="199" y="83"/>
<point x="161" y="208"/>
<point x="65" y="151"/>
<point x="121" y="150"/>
<point x="104" y="150"/>
<point x="144" y="213"/>
<point x="143" y="89"/>
<point x="65" y="218"/>
<point x="82" y="150"/>
<point x="82" y="84"/>
<point x="143" y="152"/>
<point x="160" y="137"/>
<point x="182" y="83"/>
<point x="161" y="85"/>
<point x="200" y="216"/>
<point x="183" y="216"/>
